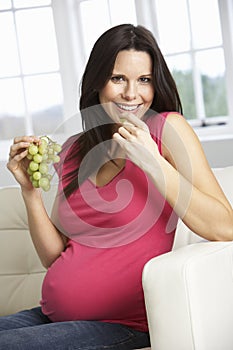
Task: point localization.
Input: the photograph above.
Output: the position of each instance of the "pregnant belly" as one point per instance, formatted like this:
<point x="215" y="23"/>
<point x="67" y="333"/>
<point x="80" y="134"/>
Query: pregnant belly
<point x="93" y="286"/>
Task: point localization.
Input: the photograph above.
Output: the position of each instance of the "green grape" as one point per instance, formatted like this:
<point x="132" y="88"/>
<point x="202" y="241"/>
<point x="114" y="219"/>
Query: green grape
<point x="43" y="168"/>
<point x="33" y="149"/>
<point x="50" y="158"/>
<point x="56" y="147"/>
<point x="56" y="158"/>
<point x="33" y="166"/>
<point x="29" y="156"/>
<point x="44" y="183"/>
<point x="42" y="149"/>
<point x="29" y="171"/>
<point x="44" y="157"/>
<point x="40" y="155"/>
<point x="37" y="158"/>
<point x="50" y="151"/>
<point x="36" y="175"/>
<point x="123" y="120"/>
<point x="35" y="183"/>
<point x="44" y="140"/>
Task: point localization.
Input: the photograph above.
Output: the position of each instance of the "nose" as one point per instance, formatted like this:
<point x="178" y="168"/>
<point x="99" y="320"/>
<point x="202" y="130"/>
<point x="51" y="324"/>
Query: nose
<point x="130" y="91"/>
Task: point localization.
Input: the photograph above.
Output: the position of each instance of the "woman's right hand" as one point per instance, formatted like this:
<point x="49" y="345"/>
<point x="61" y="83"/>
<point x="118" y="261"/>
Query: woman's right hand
<point x="18" y="162"/>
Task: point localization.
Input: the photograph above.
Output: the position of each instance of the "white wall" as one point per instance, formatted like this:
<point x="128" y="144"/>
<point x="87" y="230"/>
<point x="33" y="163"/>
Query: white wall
<point x="219" y="152"/>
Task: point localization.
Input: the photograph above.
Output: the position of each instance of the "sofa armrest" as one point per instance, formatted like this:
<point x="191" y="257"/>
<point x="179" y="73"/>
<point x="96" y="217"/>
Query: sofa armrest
<point x="189" y="297"/>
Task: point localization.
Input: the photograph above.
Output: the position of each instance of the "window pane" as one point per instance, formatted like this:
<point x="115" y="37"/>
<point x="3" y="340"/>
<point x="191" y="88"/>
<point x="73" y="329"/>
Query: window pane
<point x="212" y="69"/>
<point x="11" y="108"/>
<point x="9" y="64"/>
<point x="44" y="100"/>
<point x="5" y="5"/>
<point x="122" y="12"/>
<point x="173" y="25"/>
<point x="206" y="29"/>
<point x="94" y="25"/>
<point x="30" y="3"/>
<point x="37" y="40"/>
<point x="181" y="70"/>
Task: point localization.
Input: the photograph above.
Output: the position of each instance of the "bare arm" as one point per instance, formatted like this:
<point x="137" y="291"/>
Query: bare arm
<point x="182" y="175"/>
<point x="48" y="241"/>
<point x="207" y="211"/>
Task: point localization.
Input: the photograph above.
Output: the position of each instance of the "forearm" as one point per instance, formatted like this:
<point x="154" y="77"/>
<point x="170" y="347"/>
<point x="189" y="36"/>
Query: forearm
<point x="192" y="191"/>
<point x="46" y="238"/>
<point x="202" y="213"/>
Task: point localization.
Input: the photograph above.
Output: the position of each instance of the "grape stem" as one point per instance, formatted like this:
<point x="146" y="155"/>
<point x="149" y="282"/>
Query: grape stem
<point x="47" y="137"/>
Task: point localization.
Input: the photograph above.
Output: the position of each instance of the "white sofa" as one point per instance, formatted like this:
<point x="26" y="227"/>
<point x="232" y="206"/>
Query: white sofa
<point x="188" y="292"/>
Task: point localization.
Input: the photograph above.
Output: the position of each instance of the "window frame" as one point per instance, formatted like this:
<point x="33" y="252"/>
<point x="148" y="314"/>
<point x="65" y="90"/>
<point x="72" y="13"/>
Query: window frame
<point x="215" y="131"/>
<point x="69" y="38"/>
<point x="28" y="116"/>
<point x="225" y="12"/>
<point x="146" y="15"/>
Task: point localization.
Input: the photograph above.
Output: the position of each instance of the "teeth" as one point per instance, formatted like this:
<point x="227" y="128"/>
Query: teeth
<point x="127" y="108"/>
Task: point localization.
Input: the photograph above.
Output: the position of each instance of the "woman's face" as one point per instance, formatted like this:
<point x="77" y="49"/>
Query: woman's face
<point x="130" y="88"/>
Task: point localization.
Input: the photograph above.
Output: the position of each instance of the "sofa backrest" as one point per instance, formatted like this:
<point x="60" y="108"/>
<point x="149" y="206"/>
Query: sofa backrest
<point x="21" y="273"/>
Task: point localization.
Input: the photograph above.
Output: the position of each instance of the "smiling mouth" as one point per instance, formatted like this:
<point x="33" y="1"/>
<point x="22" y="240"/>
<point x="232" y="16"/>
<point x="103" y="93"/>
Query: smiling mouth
<point x="127" y="108"/>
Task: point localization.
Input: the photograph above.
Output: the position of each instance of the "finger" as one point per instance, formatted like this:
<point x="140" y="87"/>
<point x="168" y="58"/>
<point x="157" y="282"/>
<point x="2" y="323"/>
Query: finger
<point x="131" y="118"/>
<point x="13" y="163"/>
<point x="16" y="147"/>
<point x="119" y="139"/>
<point x="18" y="157"/>
<point x="124" y="132"/>
<point x="30" y="139"/>
<point x="20" y="142"/>
<point x="132" y="129"/>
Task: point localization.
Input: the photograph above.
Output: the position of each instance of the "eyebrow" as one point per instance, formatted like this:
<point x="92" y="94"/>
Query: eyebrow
<point x="141" y="75"/>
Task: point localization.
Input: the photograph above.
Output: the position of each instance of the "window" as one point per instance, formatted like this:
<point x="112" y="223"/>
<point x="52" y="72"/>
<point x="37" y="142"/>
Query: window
<point x="109" y="13"/>
<point x="30" y="83"/>
<point x="39" y="91"/>
<point x="190" y="36"/>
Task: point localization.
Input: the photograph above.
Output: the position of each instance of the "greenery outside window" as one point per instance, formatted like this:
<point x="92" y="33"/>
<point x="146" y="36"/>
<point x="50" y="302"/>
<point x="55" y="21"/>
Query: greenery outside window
<point x="190" y="36"/>
<point x="30" y="84"/>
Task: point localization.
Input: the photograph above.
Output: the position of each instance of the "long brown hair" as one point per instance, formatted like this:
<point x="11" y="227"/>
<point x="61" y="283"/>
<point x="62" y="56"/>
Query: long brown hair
<point x="97" y="125"/>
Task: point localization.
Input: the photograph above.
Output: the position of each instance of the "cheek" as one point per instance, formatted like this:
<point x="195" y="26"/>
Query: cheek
<point x="148" y="95"/>
<point x="108" y="93"/>
<point x="106" y="97"/>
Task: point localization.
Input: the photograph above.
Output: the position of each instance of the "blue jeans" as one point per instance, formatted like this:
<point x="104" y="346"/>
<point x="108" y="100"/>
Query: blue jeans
<point x="31" y="329"/>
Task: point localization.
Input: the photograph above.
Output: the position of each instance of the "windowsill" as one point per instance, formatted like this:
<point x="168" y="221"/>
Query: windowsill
<point x="214" y="132"/>
<point x="208" y="133"/>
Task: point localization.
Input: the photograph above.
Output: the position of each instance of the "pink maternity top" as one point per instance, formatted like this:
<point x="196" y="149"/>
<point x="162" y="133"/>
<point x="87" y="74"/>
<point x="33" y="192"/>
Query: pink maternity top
<point x="113" y="231"/>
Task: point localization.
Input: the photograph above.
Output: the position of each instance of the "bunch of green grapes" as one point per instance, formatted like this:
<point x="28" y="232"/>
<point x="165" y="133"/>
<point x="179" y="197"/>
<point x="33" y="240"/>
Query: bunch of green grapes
<point x="41" y="154"/>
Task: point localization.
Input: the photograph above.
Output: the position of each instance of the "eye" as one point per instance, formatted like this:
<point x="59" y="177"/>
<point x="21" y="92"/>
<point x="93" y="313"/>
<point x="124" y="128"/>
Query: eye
<point x="145" y="80"/>
<point x="117" y="78"/>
